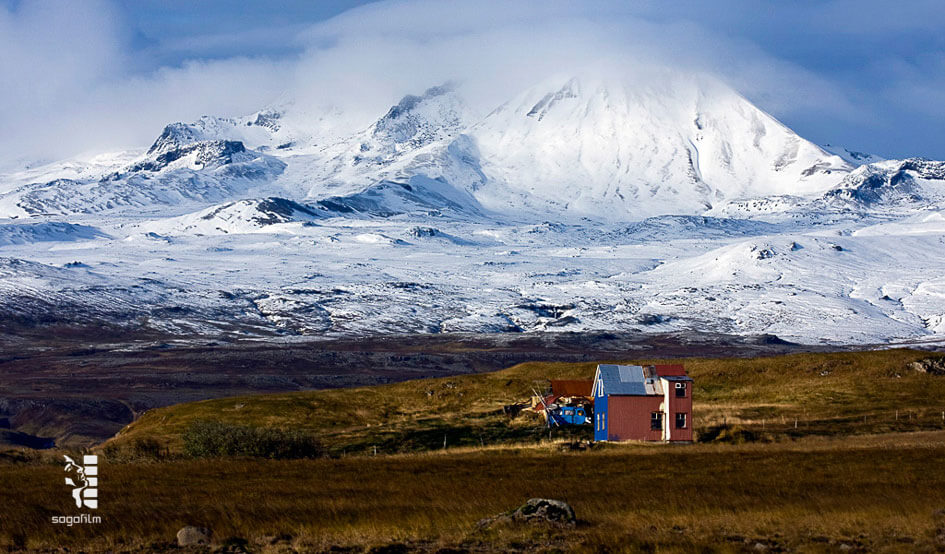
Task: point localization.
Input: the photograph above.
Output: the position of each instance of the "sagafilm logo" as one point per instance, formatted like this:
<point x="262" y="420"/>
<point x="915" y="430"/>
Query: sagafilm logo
<point x="85" y="485"/>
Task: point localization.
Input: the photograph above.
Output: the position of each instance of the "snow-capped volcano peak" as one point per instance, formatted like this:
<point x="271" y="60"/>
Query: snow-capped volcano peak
<point x="623" y="148"/>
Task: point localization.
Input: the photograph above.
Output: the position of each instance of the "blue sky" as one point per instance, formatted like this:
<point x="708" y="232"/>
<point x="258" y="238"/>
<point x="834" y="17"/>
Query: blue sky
<point x="96" y="74"/>
<point x="172" y="31"/>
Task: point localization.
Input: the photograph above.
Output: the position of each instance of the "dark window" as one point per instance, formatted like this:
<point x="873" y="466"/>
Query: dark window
<point x="680" y="421"/>
<point x="656" y="420"/>
<point x="680" y="390"/>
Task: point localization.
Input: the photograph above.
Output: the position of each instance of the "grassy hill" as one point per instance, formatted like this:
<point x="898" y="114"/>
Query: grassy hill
<point x="735" y="399"/>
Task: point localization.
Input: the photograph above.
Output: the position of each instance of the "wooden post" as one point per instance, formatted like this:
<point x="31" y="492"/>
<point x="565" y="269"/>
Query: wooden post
<point x="795" y="423"/>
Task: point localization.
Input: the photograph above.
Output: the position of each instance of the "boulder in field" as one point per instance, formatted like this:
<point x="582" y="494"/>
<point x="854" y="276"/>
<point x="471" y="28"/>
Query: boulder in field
<point x="190" y="535"/>
<point x="544" y="511"/>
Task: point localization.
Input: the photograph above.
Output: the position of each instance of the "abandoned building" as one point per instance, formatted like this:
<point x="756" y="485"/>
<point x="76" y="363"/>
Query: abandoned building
<point x="570" y="402"/>
<point x="569" y="392"/>
<point x="645" y="403"/>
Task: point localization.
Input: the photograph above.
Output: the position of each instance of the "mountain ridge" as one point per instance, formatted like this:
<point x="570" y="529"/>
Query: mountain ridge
<point x="584" y="203"/>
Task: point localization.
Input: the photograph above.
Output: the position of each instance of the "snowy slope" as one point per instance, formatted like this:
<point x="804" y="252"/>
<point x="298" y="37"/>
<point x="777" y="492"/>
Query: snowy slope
<point x="48" y="231"/>
<point x="840" y="289"/>
<point x="244" y="216"/>
<point x="853" y="157"/>
<point x="925" y="222"/>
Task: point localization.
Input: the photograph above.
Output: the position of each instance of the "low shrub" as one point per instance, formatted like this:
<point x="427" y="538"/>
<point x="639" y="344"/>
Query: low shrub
<point x="212" y="439"/>
<point x="144" y="449"/>
<point x="732" y="434"/>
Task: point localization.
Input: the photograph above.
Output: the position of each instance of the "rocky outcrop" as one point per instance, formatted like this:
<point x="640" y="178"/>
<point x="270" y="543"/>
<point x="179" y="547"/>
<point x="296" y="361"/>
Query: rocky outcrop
<point x="536" y="511"/>
<point x="891" y="182"/>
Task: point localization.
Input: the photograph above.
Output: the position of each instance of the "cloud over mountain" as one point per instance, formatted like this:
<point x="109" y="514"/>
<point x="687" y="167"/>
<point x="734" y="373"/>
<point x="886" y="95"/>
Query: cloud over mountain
<point x="80" y="82"/>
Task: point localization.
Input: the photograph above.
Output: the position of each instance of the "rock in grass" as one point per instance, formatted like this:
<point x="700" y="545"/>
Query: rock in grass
<point x="189" y="536"/>
<point x="536" y="511"/>
<point x="932" y="366"/>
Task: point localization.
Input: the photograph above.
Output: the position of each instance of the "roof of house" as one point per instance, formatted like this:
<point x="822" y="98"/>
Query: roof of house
<point x="571" y="387"/>
<point x="668" y="370"/>
<point x="638" y="380"/>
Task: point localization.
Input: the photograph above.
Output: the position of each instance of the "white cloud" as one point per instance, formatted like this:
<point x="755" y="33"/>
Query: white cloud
<point x="71" y="83"/>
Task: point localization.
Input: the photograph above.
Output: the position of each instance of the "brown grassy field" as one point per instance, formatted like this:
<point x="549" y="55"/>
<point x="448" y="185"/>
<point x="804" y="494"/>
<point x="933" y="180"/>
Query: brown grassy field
<point x="815" y="494"/>
<point x="852" y="474"/>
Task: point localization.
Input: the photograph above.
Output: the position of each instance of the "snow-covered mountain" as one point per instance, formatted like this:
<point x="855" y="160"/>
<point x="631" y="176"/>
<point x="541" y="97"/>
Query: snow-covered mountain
<point x="605" y="149"/>
<point x="585" y="202"/>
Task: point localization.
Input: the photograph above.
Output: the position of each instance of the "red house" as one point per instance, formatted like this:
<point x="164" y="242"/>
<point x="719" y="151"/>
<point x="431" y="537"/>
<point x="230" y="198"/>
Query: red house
<point x="644" y="403"/>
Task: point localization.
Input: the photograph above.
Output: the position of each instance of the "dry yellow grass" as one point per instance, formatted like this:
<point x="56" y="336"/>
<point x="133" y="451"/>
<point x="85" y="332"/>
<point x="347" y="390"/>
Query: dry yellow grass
<point x="879" y="492"/>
